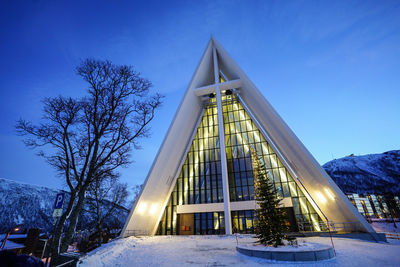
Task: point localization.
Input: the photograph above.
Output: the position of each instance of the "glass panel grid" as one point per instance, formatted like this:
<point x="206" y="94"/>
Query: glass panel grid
<point x="200" y="180"/>
<point x="243" y="137"/>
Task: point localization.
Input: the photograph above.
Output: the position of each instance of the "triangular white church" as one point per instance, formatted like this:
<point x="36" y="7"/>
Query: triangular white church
<point x="201" y="181"/>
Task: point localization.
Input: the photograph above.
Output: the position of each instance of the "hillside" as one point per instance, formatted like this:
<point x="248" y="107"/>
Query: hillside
<point x="373" y="173"/>
<point x="32" y="206"/>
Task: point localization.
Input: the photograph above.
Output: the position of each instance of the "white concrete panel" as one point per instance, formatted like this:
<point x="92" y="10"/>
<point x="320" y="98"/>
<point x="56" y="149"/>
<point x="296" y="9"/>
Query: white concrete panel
<point x="221" y="133"/>
<point x="197" y="208"/>
<point x="206" y="90"/>
<point x="219" y="207"/>
<point x="244" y="205"/>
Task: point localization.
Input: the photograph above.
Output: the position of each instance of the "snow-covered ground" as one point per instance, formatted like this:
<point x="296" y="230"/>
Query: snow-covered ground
<point x="220" y="251"/>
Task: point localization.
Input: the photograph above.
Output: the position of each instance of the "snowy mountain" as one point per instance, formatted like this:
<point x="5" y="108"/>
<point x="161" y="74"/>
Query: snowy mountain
<point x="32" y="206"/>
<point x="373" y="173"/>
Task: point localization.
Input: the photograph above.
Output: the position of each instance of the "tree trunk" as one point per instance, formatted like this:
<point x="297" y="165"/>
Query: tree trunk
<point x="73" y="220"/>
<point x="56" y="238"/>
<point x="99" y="231"/>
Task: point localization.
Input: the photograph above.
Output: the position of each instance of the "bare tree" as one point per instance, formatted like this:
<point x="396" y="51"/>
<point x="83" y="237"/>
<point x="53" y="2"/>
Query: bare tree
<point x="136" y="190"/>
<point x="90" y="137"/>
<point x="104" y="196"/>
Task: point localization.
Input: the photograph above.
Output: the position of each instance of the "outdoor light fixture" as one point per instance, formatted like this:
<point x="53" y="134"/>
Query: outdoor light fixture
<point x="153" y="208"/>
<point x="142" y="208"/>
<point x="330" y="195"/>
<point x="321" y="197"/>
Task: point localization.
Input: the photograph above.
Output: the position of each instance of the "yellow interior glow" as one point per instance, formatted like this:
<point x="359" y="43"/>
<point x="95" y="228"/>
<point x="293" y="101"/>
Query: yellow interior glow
<point x="174" y="216"/>
<point x="256" y="135"/>
<point x="315" y="222"/>
<point x="303" y="205"/>
<point x="196" y="161"/>
<point x="283" y="174"/>
<point x="292" y="189"/>
<point x="275" y="164"/>
<point x="216" y="227"/>
<point x="246" y="146"/>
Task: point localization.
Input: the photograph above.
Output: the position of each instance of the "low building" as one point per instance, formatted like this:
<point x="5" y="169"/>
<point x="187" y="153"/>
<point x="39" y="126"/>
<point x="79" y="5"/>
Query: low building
<point x="375" y="206"/>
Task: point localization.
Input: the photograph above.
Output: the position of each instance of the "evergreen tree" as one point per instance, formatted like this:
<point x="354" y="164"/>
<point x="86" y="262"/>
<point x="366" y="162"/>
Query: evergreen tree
<point x="270" y="217"/>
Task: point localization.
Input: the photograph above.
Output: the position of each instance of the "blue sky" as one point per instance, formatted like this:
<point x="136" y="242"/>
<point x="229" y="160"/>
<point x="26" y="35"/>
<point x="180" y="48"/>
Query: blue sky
<point x="330" y="68"/>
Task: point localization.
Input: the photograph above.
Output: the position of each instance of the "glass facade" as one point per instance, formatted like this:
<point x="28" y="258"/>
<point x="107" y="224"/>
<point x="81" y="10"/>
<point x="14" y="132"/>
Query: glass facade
<point x="362" y="204"/>
<point x="242" y="137"/>
<point x="243" y="221"/>
<point x="200" y="179"/>
<point x="371" y="206"/>
<point x="209" y="223"/>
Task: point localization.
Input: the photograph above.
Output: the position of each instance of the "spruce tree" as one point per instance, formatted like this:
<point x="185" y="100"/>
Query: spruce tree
<point x="270" y="220"/>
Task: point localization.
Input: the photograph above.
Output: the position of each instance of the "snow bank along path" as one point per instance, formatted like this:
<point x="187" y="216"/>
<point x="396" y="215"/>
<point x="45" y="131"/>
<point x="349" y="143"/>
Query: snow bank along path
<point x="221" y="251"/>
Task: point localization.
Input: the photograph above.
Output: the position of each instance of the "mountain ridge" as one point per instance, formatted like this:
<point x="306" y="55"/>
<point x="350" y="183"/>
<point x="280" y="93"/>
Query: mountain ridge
<point x="372" y="173"/>
<point x="32" y="206"/>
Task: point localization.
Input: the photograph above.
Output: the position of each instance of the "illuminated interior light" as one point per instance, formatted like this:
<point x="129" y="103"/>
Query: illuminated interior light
<point x="275" y="164"/>
<point x="292" y="189"/>
<point x="283" y="174"/>
<point x="315" y="221"/>
<point x="303" y="205"/>
<point x="197" y="159"/>
<point x="241" y="121"/>
<point x="216" y="227"/>
<point x="257" y="137"/>
<point x="245" y="145"/>
<point x="330" y="195"/>
<point x="321" y="197"/>
<point x="153" y="208"/>
<point x="174" y="220"/>
<point x="316" y="224"/>
<point x="142" y="208"/>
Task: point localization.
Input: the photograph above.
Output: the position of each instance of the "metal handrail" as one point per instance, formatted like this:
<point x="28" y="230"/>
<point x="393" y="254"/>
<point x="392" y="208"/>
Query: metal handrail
<point x="305" y="226"/>
<point x="136" y="233"/>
